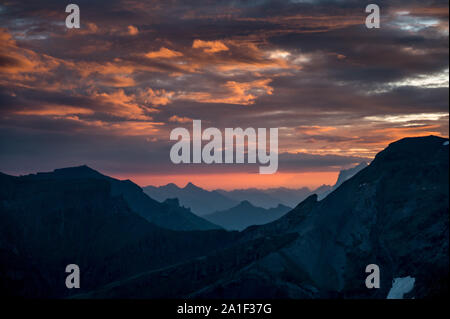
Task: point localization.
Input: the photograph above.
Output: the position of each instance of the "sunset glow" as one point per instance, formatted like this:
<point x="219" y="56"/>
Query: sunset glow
<point x="109" y="94"/>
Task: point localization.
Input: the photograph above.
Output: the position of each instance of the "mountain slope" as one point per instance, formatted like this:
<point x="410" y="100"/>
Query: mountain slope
<point x="393" y="213"/>
<point x="161" y="214"/>
<point x="245" y="214"/>
<point x="48" y="223"/>
<point x="200" y="201"/>
<point x="342" y="177"/>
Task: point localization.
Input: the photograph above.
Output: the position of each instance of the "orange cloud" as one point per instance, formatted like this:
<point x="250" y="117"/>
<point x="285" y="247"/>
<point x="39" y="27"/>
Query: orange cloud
<point x="178" y="119"/>
<point x="16" y="60"/>
<point x="87" y="68"/>
<point x="314" y="129"/>
<point x="157" y="97"/>
<point x="244" y="93"/>
<point x="132" y="30"/>
<point x="209" y="46"/>
<point x="55" y="110"/>
<point x="119" y="81"/>
<point x="120" y="104"/>
<point x="163" y="53"/>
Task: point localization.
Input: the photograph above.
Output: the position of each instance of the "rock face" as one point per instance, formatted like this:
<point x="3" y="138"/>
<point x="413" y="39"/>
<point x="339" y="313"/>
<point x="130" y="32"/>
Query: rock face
<point x="393" y="213"/>
<point x="245" y="214"/>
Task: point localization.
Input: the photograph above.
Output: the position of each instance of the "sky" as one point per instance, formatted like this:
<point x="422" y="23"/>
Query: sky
<point x="108" y="94"/>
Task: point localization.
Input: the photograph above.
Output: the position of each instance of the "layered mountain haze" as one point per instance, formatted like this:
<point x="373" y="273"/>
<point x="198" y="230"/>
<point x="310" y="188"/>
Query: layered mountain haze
<point x="199" y="200"/>
<point x="393" y="213"/>
<point x="203" y="202"/>
<point x="271" y="197"/>
<point x="245" y="214"/>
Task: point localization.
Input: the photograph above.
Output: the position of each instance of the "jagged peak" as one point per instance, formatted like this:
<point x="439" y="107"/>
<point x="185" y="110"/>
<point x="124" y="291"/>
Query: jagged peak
<point x="191" y="186"/>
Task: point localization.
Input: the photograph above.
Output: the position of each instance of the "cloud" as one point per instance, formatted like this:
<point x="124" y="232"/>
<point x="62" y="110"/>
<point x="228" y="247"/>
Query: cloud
<point x="14" y="60"/>
<point x="178" y="119"/>
<point x="156" y="97"/>
<point x="163" y="53"/>
<point x="132" y="30"/>
<point x="119" y="104"/>
<point x="110" y="92"/>
<point x="242" y="93"/>
<point x="55" y="110"/>
<point x="209" y="46"/>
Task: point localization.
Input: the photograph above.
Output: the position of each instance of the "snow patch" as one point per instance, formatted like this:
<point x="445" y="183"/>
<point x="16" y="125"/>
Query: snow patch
<point x="401" y="286"/>
<point x="445" y="143"/>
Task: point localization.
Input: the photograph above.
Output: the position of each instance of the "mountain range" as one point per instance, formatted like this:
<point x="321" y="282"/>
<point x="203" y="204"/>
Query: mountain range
<point x="199" y="200"/>
<point x="393" y="213"/>
<point x="203" y="202"/>
<point x="272" y="197"/>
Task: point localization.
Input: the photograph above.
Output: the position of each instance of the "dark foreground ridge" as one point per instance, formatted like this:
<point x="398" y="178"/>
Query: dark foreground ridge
<point x="393" y="213"/>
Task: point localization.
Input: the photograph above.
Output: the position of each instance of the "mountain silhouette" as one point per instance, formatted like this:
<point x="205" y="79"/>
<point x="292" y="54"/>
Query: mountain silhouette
<point x="161" y="214"/>
<point x="50" y="220"/>
<point x="393" y="213"/>
<point x="245" y="214"/>
<point x="204" y="202"/>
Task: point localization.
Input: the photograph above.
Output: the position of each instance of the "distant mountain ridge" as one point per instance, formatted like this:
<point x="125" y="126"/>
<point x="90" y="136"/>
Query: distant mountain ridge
<point x="271" y="197"/>
<point x="204" y="202"/>
<point x="199" y="200"/>
<point x="245" y="214"/>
